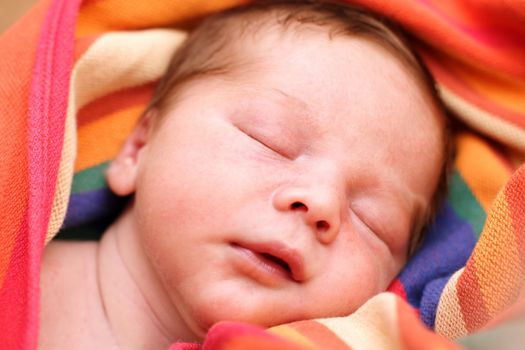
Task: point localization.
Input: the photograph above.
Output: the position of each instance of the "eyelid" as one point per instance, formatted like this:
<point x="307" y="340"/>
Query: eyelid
<point x="378" y="230"/>
<point x="250" y="135"/>
<point x="363" y="221"/>
<point x="258" y="140"/>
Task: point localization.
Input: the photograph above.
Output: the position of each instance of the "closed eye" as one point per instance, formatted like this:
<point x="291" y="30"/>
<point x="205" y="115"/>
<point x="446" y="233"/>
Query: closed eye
<point x="258" y="140"/>
<point x="373" y="225"/>
<point x="364" y="221"/>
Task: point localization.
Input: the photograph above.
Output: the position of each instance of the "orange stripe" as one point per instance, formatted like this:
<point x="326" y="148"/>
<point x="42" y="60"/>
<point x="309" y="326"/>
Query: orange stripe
<point x="515" y="194"/>
<point x="104" y="124"/>
<point x="320" y="335"/>
<point x="287" y="332"/>
<point x="100" y="140"/>
<point x="102" y="16"/>
<point x="253" y="342"/>
<point x="483" y="171"/>
<point x="514" y="313"/>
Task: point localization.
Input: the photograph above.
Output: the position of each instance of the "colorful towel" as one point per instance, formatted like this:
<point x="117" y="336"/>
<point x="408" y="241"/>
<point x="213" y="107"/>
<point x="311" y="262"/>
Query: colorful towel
<point x="73" y="81"/>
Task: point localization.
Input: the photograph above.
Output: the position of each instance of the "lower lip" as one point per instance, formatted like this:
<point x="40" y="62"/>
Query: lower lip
<point x="259" y="268"/>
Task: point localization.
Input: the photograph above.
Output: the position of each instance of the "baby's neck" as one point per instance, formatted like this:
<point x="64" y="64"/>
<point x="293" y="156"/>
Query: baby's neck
<point x="136" y="308"/>
<point x="104" y="294"/>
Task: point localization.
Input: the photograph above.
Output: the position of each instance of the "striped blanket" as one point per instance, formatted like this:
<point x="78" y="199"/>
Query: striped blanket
<point x="74" y="79"/>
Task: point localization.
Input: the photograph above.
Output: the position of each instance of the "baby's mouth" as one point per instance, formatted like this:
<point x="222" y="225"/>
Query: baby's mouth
<point x="274" y="258"/>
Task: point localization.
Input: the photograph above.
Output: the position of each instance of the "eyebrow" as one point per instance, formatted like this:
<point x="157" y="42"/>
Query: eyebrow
<point x="304" y="108"/>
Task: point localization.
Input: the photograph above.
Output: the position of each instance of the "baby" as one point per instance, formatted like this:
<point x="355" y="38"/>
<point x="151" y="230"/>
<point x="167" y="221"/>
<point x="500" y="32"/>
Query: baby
<point x="284" y="170"/>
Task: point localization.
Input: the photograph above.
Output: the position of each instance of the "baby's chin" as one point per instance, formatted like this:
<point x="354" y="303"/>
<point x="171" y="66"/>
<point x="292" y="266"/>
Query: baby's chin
<point x="203" y="303"/>
<point x="201" y="316"/>
<point x="207" y="314"/>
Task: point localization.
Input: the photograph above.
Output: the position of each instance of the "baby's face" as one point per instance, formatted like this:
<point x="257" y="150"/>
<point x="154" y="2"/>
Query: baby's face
<point x="289" y="190"/>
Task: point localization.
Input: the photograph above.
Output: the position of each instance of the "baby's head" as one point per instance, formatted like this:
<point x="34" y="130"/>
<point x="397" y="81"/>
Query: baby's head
<point x="286" y="165"/>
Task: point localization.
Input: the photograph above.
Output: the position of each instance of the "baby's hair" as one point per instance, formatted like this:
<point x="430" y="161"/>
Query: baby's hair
<point x="213" y="49"/>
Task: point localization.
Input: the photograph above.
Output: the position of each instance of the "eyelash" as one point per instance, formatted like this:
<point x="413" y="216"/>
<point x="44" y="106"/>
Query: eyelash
<point x="260" y="142"/>
<point x="363" y="222"/>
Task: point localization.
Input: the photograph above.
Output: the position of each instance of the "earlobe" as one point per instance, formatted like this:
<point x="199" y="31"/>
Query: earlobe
<point x="121" y="176"/>
<point x="123" y="170"/>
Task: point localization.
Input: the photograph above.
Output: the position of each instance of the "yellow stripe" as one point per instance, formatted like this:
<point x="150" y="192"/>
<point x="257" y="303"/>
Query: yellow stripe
<point x="373" y="326"/>
<point x="484" y="121"/>
<point x="449" y="319"/>
<point x="484" y="173"/>
<point x="121" y="60"/>
<point x="64" y="177"/>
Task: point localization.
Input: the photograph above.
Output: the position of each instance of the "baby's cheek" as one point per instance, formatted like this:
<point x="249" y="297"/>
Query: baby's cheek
<point x="360" y="276"/>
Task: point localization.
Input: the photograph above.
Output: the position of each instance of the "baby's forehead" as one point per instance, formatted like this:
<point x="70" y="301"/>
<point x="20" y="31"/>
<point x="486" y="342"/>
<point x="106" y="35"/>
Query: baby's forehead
<point x="241" y="42"/>
<point x="261" y="28"/>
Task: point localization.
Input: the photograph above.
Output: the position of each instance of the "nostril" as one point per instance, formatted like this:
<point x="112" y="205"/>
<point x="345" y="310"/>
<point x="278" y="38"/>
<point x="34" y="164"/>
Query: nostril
<point x="322" y="225"/>
<point x="298" y="205"/>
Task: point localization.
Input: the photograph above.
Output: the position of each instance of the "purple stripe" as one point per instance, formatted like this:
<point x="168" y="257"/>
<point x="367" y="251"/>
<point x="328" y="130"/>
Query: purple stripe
<point x="91" y="207"/>
<point x="447" y="247"/>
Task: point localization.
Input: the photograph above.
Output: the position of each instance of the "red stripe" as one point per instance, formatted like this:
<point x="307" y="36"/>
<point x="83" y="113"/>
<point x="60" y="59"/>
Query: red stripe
<point x="83" y="44"/>
<point x="471" y="301"/>
<point x="241" y="336"/>
<point x="14" y="295"/>
<point x="515" y="196"/>
<point x="397" y="288"/>
<point x="444" y="73"/>
<point x="414" y="335"/>
<point x="119" y="100"/>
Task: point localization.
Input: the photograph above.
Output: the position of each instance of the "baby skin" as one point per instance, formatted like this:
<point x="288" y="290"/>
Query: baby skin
<point x="291" y="184"/>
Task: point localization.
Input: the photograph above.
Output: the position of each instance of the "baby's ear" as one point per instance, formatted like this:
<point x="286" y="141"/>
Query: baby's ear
<point x="122" y="172"/>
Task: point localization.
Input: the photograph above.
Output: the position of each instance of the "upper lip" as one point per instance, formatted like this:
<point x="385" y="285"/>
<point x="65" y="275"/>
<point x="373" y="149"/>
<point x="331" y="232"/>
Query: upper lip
<point x="291" y="256"/>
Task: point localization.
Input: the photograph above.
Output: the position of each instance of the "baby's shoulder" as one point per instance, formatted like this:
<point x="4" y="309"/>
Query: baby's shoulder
<point x="70" y="315"/>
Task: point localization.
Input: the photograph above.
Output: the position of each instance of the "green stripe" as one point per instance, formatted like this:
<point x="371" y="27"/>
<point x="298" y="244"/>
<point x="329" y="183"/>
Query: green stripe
<point x="90" y="179"/>
<point x="465" y="204"/>
<point x="83" y="233"/>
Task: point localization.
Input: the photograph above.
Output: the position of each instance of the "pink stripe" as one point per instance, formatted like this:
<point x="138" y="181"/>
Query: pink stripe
<point x="47" y="111"/>
<point x="489" y="34"/>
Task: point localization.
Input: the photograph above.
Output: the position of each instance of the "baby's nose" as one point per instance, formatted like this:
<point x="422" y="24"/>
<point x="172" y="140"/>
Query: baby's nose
<point x="319" y="206"/>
